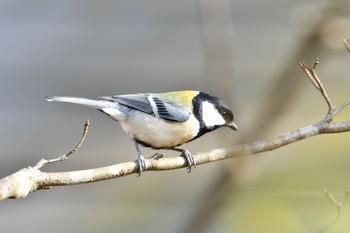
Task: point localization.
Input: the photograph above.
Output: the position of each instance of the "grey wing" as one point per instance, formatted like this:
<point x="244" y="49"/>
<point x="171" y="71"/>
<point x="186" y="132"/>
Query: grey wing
<point x="137" y="101"/>
<point x="152" y="105"/>
<point x="168" y="111"/>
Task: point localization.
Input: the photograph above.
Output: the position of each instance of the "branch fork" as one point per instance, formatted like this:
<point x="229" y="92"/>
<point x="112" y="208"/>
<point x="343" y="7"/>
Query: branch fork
<point x="311" y="74"/>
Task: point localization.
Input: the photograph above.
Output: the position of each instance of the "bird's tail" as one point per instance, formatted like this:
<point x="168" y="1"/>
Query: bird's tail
<point x="112" y="109"/>
<point x="99" y="104"/>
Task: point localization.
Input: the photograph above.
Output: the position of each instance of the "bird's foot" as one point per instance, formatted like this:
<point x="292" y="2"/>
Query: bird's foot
<point x="141" y="162"/>
<point x="190" y="160"/>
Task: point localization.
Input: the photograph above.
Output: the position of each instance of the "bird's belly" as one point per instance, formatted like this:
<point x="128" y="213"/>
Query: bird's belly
<point x="157" y="133"/>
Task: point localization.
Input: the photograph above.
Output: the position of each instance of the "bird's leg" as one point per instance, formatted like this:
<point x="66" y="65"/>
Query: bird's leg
<point x="140" y="159"/>
<point x="188" y="156"/>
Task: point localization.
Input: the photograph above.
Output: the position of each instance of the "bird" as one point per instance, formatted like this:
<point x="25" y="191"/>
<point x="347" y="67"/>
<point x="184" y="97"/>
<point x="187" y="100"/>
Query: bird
<point x="162" y="120"/>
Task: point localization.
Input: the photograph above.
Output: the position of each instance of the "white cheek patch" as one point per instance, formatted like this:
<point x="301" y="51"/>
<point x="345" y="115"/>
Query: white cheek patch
<point x="211" y="116"/>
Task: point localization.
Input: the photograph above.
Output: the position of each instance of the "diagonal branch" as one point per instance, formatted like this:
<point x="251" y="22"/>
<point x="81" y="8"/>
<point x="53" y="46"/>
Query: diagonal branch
<point x="30" y="179"/>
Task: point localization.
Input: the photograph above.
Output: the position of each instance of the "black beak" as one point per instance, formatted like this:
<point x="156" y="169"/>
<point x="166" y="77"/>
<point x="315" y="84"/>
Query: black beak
<point x="232" y="126"/>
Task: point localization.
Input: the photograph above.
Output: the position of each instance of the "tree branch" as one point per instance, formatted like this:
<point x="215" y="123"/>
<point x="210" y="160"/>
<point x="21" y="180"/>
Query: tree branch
<point x="30" y="179"/>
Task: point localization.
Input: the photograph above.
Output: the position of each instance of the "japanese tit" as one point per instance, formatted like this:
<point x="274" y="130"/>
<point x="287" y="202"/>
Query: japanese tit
<point x="162" y="120"/>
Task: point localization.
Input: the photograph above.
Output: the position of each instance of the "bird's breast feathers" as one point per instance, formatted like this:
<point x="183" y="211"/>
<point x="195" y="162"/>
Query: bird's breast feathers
<point x="157" y="133"/>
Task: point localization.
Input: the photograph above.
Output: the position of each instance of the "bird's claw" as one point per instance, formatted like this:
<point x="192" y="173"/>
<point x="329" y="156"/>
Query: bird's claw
<point x="141" y="162"/>
<point x="190" y="160"/>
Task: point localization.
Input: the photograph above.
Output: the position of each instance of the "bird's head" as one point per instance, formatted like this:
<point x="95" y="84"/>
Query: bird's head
<point x="212" y="112"/>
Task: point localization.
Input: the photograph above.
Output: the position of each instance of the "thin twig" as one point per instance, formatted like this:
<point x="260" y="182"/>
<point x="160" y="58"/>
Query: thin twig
<point x="339" y="109"/>
<point x="311" y="74"/>
<point x="43" y="162"/>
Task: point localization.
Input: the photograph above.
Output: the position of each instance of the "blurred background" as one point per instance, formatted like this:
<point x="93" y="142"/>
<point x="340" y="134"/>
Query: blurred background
<point x="246" y="52"/>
